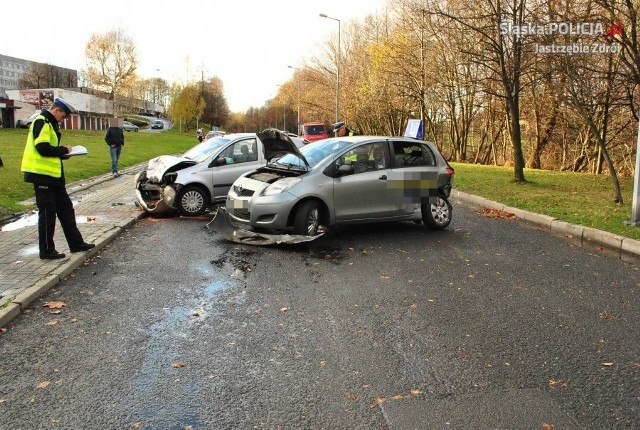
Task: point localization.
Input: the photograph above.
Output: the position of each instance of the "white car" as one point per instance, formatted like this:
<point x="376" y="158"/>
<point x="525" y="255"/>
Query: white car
<point x="190" y="184"/>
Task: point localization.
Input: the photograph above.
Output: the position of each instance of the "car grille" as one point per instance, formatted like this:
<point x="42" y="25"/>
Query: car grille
<point x="243" y="192"/>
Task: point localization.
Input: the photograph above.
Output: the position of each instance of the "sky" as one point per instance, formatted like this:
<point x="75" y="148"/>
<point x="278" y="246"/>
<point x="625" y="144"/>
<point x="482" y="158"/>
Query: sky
<point x="249" y="44"/>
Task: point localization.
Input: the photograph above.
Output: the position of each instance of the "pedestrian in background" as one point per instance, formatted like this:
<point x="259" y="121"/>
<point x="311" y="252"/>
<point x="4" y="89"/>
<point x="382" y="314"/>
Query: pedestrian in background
<point x="42" y="166"/>
<point x="115" y="140"/>
<point x="200" y="135"/>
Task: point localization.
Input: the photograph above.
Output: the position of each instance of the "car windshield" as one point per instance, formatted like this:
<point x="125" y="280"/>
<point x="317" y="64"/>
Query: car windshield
<point x="315" y="153"/>
<point x="202" y="151"/>
<point x="314" y="129"/>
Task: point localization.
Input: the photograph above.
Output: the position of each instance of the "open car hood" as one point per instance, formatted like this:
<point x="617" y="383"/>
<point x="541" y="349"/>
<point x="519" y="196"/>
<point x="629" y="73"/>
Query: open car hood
<point x="158" y="166"/>
<point x="277" y="143"/>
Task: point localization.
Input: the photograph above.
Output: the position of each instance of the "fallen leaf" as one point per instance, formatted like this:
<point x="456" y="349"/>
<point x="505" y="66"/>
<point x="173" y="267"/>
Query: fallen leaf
<point x="607" y="364"/>
<point x="323" y="363"/>
<point x="137" y="426"/>
<point x="91" y="218"/>
<point x="283" y="309"/>
<point x="398" y="397"/>
<point x="416" y="392"/>
<point x="497" y="213"/>
<point x="188" y="428"/>
<point x="196" y="313"/>
<point x="547" y="426"/>
<point x="54" y="305"/>
<point x="2" y="400"/>
<point x="43" y="384"/>
<point x="52" y="322"/>
<point x="178" y="364"/>
<point x="552" y="382"/>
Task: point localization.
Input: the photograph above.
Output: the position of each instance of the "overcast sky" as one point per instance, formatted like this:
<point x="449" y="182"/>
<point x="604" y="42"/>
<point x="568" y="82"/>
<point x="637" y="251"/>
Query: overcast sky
<point x="246" y="43"/>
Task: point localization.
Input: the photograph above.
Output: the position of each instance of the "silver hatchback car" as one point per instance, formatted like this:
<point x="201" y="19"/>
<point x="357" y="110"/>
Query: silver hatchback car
<point x="201" y="177"/>
<point x="344" y="180"/>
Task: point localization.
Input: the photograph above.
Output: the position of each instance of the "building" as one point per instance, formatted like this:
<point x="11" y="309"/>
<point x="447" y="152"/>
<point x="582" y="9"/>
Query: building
<point x="94" y="107"/>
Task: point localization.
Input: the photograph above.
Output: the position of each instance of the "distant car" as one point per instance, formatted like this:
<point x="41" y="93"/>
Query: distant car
<point x="26" y="123"/>
<point x="345" y="180"/>
<point x="213" y="133"/>
<point x="313" y="131"/>
<point x="157" y="124"/>
<point x="202" y="176"/>
<point x="128" y="126"/>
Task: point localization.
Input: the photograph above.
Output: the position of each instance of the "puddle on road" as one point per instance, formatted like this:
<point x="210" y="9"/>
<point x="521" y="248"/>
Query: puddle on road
<point x="32" y="219"/>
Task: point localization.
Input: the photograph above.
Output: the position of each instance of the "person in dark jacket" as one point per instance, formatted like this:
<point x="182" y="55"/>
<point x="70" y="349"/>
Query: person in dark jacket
<point x="115" y="140"/>
<point x="42" y="166"/>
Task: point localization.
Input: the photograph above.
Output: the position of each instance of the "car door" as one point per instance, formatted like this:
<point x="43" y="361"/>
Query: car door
<point x="364" y="194"/>
<point x="414" y="176"/>
<point x="239" y="157"/>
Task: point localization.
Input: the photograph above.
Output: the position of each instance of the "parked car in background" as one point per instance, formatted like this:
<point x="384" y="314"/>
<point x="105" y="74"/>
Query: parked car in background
<point x="345" y="180"/>
<point x="157" y="124"/>
<point x="128" y="126"/>
<point x="190" y="184"/>
<point x="26" y="123"/>
<point x="213" y="133"/>
<point x="313" y="131"/>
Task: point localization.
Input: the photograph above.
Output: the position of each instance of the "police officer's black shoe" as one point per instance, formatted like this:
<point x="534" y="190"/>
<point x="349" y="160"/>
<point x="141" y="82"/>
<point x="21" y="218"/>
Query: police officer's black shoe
<point x="82" y="247"/>
<point x="51" y="255"/>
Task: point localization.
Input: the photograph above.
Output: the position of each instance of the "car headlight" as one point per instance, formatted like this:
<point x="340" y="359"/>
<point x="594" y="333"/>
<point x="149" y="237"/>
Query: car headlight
<point x="280" y="186"/>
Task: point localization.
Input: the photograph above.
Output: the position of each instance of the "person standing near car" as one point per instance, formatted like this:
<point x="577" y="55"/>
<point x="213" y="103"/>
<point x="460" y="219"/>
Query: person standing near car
<point x="340" y="129"/>
<point x="115" y="139"/>
<point x="42" y="166"/>
<point x="200" y="135"/>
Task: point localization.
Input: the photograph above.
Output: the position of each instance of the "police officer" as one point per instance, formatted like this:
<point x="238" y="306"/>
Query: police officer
<point x="340" y="129"/>
<point x="42" y="166"/>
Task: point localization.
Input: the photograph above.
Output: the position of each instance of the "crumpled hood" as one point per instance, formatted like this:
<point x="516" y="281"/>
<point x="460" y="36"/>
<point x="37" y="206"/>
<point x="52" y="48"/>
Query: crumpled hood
<point x="158" y="166"/>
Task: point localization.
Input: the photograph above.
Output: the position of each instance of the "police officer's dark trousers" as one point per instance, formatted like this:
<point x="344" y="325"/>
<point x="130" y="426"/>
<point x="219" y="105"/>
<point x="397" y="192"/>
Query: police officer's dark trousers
<point x="54" y="202"/>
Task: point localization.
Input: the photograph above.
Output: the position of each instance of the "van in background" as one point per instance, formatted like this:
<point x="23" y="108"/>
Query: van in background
<point x="313" y="131"/>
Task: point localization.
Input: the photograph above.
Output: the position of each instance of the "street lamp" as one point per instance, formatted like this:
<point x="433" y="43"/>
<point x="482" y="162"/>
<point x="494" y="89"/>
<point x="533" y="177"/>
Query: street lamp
<point x="322" y="15"/>
<point x="297" y="98"/>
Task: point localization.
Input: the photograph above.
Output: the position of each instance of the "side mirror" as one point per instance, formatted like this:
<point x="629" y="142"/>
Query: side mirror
<point x="346" y="169"/>
<point x="220" y="161"/>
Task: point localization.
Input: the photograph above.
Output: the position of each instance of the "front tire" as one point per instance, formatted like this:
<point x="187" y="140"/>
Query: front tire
<point x="307" y="219"/>
<point x="437" y="213"/>
<point x="193" y="201"/>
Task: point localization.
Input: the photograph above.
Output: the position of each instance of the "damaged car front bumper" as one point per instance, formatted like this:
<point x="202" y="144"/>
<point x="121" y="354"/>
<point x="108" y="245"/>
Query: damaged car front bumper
<point x="155" y="199"/>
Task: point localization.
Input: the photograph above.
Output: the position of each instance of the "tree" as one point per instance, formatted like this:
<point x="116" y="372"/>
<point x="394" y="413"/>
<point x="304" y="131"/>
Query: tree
<point x="216" y="111"/>
<point x="42" y="75"/>
<point x="111" y="62"/>
<point x="186" y="105"/>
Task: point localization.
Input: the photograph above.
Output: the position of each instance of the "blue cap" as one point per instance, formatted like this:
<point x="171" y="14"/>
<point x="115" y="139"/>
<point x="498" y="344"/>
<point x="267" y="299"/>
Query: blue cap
<point x="68" y="109"/>
<point x="337" y="125"/>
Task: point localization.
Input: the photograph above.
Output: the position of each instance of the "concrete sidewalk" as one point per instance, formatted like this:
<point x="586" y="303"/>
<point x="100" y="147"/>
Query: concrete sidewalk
<point x="105" y="206"/>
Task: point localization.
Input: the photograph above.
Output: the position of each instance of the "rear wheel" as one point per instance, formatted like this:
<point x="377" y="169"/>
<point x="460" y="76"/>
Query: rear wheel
<point x="193" y="200"/>
<point x="437" y="213"/>
<point x="307" y="219"/>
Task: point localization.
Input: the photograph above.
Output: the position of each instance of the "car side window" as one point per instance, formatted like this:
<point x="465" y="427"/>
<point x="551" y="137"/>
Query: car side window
<point x="365" y="158"/>
<point x="241" y="151"/>
<point x="413" y="154"/>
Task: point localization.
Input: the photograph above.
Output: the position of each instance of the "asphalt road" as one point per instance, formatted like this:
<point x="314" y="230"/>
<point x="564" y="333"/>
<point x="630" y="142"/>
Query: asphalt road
<point x="489" y="324"/>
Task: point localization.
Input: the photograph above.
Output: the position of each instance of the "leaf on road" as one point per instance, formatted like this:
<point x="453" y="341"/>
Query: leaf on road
<point x="497" y="213"/>
<point x="416" y="392"/>
<point x="323" y="363"/>
<point x="43" y="384"/>
<point x="547" y="426"/>
<point x="283" y="309"/>
<point x="178" y="364"/>
<point x="54" y="305"/>
<point x="52" y="322"/>
<point x="378" y="401"/>
<point x="91" y="218"/>
<point x="607" y="364"/>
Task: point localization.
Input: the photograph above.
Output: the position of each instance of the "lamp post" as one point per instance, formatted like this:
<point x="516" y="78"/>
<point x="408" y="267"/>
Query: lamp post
<point x="297" y="99"/>
<point x="322" y="15"/>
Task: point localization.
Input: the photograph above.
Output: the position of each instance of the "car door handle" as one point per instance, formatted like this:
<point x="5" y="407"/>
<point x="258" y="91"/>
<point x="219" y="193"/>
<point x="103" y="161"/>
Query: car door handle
<point x="383" y="178"/>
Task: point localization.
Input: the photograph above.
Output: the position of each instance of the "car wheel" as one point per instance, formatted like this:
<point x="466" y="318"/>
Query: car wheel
<point x="307" y="219"/>
<point x="192" y="201"/>
<point x="437" y="213"/>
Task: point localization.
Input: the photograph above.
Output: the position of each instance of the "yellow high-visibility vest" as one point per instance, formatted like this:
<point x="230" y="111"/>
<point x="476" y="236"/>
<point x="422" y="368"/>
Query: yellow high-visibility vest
<point x="32" y="161"/>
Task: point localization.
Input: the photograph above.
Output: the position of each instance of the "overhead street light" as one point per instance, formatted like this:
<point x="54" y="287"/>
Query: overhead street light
<point x="322" y="15"/>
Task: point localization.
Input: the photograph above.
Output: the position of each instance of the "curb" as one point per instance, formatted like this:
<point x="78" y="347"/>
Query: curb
<point x="624" y="248"/>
